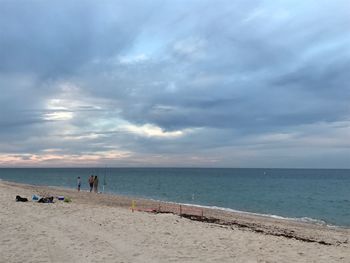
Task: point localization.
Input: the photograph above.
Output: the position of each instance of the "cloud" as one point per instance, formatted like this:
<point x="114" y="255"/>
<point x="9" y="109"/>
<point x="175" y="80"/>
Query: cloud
<point x="225" y="83"/>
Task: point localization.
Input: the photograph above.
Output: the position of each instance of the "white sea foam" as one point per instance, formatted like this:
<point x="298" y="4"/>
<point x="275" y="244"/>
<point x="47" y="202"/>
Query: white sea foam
<point x="299" y="219"/>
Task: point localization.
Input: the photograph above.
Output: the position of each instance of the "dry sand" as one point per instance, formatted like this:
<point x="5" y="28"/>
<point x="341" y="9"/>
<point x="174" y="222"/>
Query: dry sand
<point x="102" y="228"/>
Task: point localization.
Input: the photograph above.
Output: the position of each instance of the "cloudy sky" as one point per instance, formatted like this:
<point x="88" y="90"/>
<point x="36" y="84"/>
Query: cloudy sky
<point x="198" y="83"/>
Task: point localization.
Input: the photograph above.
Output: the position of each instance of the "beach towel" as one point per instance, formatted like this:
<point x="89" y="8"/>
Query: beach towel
<point x="35" y="197"/>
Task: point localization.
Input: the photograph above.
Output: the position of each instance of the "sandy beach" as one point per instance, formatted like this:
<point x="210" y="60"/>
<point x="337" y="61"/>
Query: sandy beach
<point x="102" y="228"/>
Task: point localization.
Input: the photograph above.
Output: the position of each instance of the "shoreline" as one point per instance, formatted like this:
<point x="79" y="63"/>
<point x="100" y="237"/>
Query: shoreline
<point x="260" y="223"/>
<point x="103" y="228"/>
<point x="306" y="220"/>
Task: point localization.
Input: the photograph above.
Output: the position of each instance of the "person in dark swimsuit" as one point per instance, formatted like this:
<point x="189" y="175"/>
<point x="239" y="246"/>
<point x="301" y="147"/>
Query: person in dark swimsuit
<point x="91" y="182"/>
<point x="96" y="184"/>
<point x="78" y="183"/>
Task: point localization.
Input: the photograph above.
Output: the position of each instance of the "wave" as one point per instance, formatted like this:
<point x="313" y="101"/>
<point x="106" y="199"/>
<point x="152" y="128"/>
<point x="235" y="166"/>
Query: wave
<point x="298" y="219"/>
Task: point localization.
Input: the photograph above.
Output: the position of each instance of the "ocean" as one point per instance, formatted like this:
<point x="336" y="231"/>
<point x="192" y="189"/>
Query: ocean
<point x="320" y="196"/>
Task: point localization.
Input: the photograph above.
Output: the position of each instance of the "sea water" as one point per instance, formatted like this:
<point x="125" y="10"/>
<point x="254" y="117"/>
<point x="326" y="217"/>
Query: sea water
<point x="321" y="196"/>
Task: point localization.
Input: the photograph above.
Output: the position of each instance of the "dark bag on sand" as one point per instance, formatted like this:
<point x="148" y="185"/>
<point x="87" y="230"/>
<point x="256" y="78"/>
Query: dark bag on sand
<point x="21" y="199"/>
<point x="46" y="200"/>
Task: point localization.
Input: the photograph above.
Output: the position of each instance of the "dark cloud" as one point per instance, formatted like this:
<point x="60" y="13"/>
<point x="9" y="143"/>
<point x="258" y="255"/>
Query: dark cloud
<point x="56" y="38"/>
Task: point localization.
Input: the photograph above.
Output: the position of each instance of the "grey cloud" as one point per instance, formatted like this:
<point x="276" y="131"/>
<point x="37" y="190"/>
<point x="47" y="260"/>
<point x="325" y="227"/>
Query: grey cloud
<point x="56" y="38"/>
<point x="230" y="68"/>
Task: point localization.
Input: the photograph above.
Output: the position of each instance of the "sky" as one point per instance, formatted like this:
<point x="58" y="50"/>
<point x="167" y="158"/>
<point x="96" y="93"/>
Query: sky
<point x="162" y="83"/>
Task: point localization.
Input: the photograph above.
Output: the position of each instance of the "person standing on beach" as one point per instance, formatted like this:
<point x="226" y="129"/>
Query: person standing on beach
<point x="96" y="184"/>
<point x="91" y="182"/>
<point x="78" y="183"/>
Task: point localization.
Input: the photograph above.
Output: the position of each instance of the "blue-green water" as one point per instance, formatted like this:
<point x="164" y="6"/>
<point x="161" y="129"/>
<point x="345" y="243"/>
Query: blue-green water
<point x="306" y="194"/>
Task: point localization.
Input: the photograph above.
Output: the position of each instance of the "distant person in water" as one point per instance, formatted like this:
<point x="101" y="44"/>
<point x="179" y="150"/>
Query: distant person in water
<point x="78" y="183"/>
<point x="96" y="184"/>
<point x="91" y="182"/>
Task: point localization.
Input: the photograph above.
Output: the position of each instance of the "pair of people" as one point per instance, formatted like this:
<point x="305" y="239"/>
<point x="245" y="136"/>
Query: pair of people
<point x="93" y="182"/>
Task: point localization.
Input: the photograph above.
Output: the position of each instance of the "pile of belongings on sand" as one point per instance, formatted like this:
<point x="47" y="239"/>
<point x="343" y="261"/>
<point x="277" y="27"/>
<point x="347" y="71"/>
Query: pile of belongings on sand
<point x="43" y="199"/>
<point x="39" y="199"/>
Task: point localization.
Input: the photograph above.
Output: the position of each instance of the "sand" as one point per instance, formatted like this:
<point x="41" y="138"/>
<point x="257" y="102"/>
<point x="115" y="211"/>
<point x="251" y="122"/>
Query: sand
<point x="102" y="228"/>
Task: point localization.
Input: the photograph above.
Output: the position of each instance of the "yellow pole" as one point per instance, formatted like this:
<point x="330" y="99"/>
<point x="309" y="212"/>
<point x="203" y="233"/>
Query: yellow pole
<point x="133" y="205"/>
